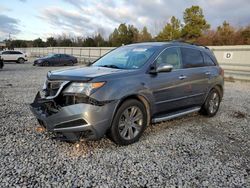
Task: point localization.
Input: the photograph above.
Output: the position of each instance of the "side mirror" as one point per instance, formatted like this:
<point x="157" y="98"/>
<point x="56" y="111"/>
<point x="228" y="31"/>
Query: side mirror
<point x="164" y="68"/>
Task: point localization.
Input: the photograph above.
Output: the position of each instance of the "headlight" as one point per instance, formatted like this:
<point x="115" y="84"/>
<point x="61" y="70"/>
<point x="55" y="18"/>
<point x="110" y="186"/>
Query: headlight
<point x="83" y="88"/>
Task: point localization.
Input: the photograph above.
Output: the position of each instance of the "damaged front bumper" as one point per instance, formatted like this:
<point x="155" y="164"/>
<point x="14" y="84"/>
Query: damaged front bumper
<point x="73" y="121"/>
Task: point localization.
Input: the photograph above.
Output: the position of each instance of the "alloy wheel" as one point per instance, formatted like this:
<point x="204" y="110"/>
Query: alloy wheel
<point x="213" y="103"/>
<point x="130" y="123"/>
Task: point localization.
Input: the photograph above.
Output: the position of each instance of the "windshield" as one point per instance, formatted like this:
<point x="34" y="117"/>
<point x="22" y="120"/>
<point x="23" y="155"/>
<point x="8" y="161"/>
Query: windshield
<point x="127" y="57"/>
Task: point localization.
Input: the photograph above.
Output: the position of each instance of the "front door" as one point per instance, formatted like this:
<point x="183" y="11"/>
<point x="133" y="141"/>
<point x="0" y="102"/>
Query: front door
<point x="170" y="89"/>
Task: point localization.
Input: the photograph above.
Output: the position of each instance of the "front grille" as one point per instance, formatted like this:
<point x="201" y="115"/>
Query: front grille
<point x="53" y="87"/>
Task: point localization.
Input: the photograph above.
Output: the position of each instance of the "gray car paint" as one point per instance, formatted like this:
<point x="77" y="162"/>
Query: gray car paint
<point x="164" y="92"/>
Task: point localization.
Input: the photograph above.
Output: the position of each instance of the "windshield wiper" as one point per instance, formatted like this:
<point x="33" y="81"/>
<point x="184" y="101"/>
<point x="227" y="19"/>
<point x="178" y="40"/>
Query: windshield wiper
<point x="111" y="66"/>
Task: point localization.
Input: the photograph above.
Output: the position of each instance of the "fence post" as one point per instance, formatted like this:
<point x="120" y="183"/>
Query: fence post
<point x="80" y="55"/>
<point x="89" y="54"/>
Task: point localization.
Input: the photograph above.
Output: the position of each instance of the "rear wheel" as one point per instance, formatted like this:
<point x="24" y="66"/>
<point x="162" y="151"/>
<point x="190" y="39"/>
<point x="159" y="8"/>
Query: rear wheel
<point x="20" y="60"/>
<point x="129" y="122"/>
<point x="212" y="103"/>
<point x="46" y="63"/>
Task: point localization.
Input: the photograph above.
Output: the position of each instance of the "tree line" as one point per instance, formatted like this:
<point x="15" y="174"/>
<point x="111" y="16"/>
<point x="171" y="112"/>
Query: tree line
<point x="194" y="29"/>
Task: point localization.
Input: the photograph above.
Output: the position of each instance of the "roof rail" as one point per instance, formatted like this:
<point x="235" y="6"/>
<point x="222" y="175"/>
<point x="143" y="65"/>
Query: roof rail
<point x="183" y="41"/>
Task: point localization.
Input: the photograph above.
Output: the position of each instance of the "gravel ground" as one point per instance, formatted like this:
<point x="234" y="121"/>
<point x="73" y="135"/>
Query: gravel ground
<point x="193" y="151"/>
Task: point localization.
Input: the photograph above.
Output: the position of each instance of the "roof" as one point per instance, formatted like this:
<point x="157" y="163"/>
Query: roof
<point x="171" y="43"/>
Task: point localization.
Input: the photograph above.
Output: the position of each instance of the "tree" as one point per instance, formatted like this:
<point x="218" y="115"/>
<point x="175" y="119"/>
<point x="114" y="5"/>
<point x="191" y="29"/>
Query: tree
<point x="89" y="42"/>
<point x="133" y="34"/>
<point x="99" y="40"/>
<point x="11" y="44"/>
<point x="144" y="35"/>
<point x="195" y="23"/>
<point x="114" y="37"/>
<point x="245" y="34"/>
<point x="171" y="31"/>
<point x="66" y="42"/>
<point x="38" y="43"/>
<point x="225" y="34"/>
<point x="124" y="35"/>
<point x="208" y="38"/>
<point x="51" y="41"/>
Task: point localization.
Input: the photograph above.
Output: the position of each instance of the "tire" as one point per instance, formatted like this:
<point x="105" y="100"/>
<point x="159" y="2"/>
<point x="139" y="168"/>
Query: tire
<point x="71" y="63"/>
<point x="1" y="64"/>
<point x="129" y="123"/>
<point x="20" y="60"/>
<point x="212" y="103"/>
<point x="45" y="64"/>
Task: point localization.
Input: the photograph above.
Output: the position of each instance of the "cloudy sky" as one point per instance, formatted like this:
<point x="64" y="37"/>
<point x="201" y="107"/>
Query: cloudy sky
<point x="30" y="19"/>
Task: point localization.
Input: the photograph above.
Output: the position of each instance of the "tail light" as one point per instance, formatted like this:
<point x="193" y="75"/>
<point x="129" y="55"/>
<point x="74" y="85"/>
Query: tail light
<point x="221" y="72"/>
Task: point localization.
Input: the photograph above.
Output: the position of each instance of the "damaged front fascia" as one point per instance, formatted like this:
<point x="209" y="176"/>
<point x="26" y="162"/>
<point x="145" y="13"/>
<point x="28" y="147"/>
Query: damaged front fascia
<point x="88" y="100"/>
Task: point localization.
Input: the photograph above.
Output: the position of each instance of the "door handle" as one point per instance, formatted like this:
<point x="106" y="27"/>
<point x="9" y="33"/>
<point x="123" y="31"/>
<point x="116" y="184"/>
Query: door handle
<point x="208" y="73"/>
<point x="182" y="77"/>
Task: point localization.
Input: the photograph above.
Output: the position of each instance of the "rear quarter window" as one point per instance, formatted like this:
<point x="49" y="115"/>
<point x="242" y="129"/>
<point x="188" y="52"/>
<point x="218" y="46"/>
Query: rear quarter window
<point x="6" y="52"/>
<point x="208" y="60"/>
<point x="191" y="58"/>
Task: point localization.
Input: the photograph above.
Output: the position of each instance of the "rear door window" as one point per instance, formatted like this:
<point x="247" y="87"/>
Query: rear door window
<point x="191" y="58"/>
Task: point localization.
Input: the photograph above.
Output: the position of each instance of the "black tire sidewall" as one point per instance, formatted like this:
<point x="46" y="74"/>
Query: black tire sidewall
<point x="114" y="132"/>
<point x="45" y="63"/>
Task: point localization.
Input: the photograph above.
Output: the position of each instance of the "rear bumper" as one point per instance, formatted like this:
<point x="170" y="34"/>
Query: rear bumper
<point x="72" y="121"/>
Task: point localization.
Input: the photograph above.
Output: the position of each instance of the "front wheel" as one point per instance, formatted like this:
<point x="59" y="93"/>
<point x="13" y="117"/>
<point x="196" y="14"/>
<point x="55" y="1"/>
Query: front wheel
<point x="129" y="122"/>
<point x="212" y="103"/>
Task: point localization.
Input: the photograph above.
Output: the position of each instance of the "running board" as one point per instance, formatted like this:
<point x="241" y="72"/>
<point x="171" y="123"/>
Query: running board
<point x="175" y="115"/>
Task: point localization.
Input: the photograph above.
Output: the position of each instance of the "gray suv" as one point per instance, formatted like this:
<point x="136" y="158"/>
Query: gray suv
<point x="121" y="93"/>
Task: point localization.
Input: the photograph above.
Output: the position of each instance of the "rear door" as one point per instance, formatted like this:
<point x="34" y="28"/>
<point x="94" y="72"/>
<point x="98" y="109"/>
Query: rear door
<point x="197" y="73"/>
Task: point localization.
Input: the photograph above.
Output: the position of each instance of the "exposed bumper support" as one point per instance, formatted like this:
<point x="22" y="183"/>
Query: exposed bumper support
<point x="90" y="120"/>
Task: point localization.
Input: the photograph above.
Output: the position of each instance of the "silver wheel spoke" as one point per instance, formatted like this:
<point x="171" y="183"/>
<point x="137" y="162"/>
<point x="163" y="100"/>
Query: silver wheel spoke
<point x="124" y="132"/>
<point x="130" y="133"/>
<point x="121" y="125"/>
<point x="136" y="126"/>
<point x="137" y="117"/>
<point x="213" y="103"/>
<point x="133" y="111"/>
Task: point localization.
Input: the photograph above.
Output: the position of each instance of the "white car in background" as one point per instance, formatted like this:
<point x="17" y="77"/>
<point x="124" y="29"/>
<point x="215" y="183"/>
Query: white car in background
<point x="14" y="56"/>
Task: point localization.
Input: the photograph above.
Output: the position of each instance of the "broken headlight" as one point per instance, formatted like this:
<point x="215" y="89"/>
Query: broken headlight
<point x="82" y="88"/>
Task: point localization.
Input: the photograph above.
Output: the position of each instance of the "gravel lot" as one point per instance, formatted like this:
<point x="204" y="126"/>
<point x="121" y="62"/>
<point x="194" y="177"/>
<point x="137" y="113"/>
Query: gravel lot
<point x="193" y="151"/>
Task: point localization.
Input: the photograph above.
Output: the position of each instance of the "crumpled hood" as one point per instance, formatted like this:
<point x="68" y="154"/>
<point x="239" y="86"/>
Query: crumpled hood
<point x="82" y="73"/>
